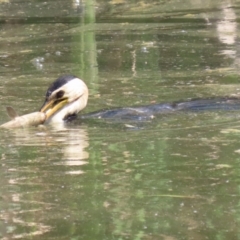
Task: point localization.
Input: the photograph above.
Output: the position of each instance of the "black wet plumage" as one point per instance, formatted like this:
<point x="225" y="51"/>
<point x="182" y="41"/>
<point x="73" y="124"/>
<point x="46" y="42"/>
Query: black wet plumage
<point x="148" y="112"/>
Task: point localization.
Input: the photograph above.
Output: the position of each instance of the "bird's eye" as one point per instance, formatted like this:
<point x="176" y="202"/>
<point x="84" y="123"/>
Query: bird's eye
<point x="60" y="94"/>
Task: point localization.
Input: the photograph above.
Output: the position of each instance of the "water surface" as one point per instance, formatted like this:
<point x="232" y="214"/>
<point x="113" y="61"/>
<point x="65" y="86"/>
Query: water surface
<point x="175" y="177"/>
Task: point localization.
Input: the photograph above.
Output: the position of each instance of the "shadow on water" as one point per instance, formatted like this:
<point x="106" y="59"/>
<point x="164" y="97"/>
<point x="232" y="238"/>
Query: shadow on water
<point x="172" y="177"/>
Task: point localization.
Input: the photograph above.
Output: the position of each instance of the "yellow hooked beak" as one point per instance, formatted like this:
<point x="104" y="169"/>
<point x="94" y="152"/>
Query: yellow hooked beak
<point x="52" y="106"/>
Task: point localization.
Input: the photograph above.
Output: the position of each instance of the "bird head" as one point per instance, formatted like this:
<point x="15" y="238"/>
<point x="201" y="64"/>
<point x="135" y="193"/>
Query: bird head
<point x="66" y="96"/>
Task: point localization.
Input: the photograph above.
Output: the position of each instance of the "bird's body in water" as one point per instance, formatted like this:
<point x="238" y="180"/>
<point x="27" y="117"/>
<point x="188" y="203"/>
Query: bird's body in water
<point x="68" y="95"/>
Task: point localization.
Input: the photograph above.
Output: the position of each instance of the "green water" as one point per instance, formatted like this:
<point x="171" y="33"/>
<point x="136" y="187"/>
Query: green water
<point x="175" y="177"/>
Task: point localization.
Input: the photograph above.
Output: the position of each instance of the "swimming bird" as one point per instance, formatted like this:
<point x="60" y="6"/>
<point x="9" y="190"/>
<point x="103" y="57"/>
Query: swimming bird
<point x="68" y="95"/>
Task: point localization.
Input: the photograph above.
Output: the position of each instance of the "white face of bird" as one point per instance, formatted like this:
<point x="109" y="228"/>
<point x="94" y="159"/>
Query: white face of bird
<point x="69" y="99"/>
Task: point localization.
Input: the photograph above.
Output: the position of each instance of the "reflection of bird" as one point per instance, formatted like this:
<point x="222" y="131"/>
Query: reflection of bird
<point x="68" y="95"/>
<point x="64" y="99"/>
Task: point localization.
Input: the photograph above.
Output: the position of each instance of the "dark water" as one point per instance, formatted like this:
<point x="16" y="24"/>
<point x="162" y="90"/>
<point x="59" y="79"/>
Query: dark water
<point x="175" y="177"/>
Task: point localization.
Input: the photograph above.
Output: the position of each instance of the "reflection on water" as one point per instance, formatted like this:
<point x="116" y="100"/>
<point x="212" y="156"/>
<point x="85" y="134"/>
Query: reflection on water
<point x="227" y="26"/>
<point x="73" y="142"/>
<point x="175" y="177"/>
<point x="49" y="152"/>
<point x="74" y="151"/>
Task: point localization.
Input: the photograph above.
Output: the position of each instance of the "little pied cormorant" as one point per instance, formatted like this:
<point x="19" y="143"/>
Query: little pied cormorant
<point x="68" y="95"/>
